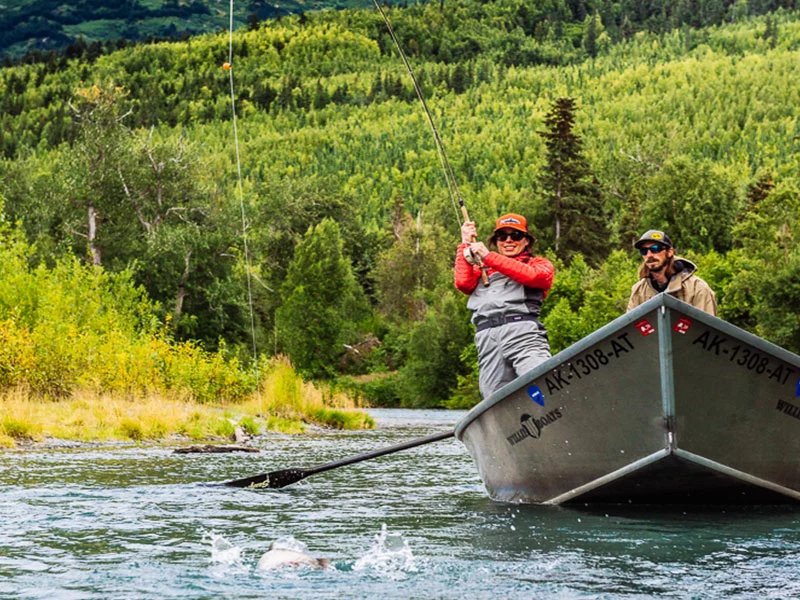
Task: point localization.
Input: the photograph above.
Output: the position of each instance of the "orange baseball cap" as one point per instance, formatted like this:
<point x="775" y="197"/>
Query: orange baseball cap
<point x="512" y="221"/>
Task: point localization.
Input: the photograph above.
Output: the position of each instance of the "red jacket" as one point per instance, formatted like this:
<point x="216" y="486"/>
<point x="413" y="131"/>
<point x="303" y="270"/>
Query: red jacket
<point x="530" y="271"/>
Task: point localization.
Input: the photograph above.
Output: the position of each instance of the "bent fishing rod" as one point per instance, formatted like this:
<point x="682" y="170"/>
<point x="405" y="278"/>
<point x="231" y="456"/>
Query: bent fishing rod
<point x="449" y="176"/>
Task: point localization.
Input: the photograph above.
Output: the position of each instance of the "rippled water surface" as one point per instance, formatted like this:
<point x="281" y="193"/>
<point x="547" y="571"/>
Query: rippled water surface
<point x="139" y="522"/>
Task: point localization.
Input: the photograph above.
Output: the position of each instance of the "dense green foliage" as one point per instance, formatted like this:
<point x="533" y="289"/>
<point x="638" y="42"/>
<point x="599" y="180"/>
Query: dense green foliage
<point x="676" y="120"/>
<point x="321" y="302"/>
<point x="75" y="327"/>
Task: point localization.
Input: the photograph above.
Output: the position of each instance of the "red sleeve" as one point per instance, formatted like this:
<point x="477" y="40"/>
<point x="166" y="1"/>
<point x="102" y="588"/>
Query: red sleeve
<point x="536" y="273"/>
<point x="466" y="275"/>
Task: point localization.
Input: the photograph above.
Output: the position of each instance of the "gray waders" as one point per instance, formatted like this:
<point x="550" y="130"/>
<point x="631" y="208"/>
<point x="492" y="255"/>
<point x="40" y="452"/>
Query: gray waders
<point x="510" y="339"/>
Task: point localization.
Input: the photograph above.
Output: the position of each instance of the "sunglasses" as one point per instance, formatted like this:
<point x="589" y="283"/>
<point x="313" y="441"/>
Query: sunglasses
<point x="655" y="249"/>
<point x="515" y="236"/>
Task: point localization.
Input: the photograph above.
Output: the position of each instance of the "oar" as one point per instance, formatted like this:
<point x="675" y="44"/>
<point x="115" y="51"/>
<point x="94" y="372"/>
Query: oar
<point x="279" y="479"/>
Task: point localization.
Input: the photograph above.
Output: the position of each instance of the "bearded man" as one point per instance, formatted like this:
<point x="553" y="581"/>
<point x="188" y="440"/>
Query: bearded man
<point x="662" y="271"/>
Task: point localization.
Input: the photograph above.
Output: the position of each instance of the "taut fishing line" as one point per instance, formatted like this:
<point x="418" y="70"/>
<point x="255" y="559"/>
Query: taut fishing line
<point x="452" y="186"/>
<point x="228" y="66"/>
<point x="449" y="176"/>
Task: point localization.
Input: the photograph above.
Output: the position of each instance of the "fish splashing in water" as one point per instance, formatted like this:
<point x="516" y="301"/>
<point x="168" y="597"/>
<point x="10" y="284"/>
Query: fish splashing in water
<point x="277" y="558"/>
<point x="223" y="551"/>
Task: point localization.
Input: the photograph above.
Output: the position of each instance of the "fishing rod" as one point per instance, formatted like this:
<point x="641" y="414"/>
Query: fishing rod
<point x="449" y="176"/>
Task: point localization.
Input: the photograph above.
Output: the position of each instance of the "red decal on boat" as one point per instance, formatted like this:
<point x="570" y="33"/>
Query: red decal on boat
<point x="645" y="328"/>
<point x="682" y="326"/>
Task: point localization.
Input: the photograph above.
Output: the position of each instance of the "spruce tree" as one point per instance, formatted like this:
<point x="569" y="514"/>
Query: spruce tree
<point x="590" y="34"/>
<point x="574" y="213"/>
<point x="321" y="302"/>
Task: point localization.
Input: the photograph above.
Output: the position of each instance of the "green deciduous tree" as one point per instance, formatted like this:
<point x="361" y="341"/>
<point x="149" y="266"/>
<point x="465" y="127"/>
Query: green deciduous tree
<point x="584" y="299"/>
<point x="407" y="273"/>
<point x="182" y="247"/>
<point x="762" y="292"/>
<point x="281" y="210"/>
<point x="99" y="153"/>
<point x="695" y="201"/>
<point x="435" y="344"/>
<point x="595" y="37"/>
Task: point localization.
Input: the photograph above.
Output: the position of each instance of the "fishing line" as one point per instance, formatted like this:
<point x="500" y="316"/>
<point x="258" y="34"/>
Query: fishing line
<point x="452" y="186"/>
<point x="449" y="176"/>
<point x="228" y="67"/>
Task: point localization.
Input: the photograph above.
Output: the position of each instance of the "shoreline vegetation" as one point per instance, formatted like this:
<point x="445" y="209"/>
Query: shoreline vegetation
<point x="283" y="403"/>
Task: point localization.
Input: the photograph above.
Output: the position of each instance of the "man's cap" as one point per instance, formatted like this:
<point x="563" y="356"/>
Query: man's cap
<point x="512" y="221"/>
<point x="653" y="236"/>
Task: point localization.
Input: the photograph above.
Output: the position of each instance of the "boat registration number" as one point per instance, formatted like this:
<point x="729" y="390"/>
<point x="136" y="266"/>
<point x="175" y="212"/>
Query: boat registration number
<point x="589" y="362"/>
<point x="743" y="356"/>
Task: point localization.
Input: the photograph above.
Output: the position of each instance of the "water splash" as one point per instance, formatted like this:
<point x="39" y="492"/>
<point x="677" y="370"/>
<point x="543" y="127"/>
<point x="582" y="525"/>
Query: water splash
<point x="222" y="551"/>
<point x="390" y="556"/>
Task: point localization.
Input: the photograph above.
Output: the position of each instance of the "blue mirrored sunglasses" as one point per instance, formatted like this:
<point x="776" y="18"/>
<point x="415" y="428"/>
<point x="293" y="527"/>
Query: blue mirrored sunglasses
<point x="655" y="249"/>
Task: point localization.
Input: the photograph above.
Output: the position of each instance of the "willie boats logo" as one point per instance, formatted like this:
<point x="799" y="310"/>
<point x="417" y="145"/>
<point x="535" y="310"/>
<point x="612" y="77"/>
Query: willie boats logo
<point x="531" y="427"/>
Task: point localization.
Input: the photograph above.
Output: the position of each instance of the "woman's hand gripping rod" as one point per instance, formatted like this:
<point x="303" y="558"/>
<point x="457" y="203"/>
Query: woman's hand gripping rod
<point x="469" y="234"/>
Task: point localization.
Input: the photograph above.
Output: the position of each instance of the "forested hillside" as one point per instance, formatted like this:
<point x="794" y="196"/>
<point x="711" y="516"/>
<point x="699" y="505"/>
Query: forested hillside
<point x="30" y="28"/>
<point x="684" y="119"/>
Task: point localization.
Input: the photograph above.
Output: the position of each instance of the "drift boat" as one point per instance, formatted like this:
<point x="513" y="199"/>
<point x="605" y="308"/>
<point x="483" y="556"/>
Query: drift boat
<point x="666" y="404"/>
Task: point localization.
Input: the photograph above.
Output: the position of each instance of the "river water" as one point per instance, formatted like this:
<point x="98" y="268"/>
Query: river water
<point x="139" y="522"/>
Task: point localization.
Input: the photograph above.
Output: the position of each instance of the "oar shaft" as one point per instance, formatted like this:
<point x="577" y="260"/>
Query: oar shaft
<point x="279" y="479"/>
<point x="376" y="453"/>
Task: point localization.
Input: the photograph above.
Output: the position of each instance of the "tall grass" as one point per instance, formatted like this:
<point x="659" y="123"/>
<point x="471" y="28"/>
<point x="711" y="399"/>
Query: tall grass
<point x="283" y="403"/>
<point x="90" y="416"/>
<point x="284" y="394"/>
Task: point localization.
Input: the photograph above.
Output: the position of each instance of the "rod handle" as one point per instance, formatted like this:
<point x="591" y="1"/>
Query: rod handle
<point x="481" y="266"/>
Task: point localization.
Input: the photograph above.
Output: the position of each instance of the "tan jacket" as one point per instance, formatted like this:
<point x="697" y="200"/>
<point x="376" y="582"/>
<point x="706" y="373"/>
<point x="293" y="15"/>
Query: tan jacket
<point x="683" y="285"/>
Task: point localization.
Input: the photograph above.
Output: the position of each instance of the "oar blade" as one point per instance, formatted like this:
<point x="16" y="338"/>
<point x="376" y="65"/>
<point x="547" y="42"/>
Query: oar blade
<point x="273" y="480"/>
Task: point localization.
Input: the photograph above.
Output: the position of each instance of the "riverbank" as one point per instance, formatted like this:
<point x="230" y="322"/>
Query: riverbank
<point x="283" y="403"/>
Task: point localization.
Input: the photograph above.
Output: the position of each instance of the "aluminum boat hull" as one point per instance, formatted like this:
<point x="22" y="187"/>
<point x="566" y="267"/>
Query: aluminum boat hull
<point x="666" y="404"/>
